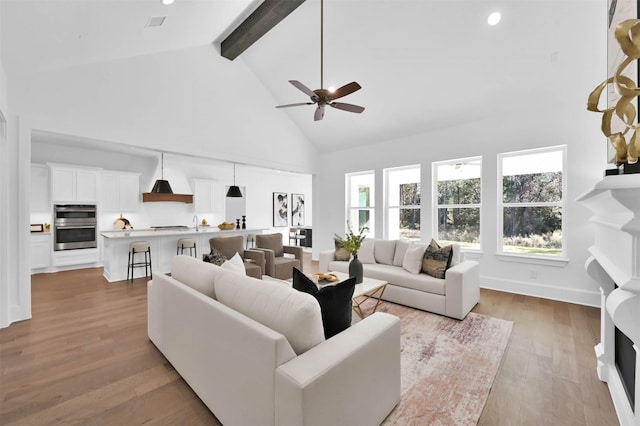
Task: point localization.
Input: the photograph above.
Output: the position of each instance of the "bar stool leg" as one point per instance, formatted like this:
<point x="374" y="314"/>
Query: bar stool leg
<point x="128" y="265"/>
<point x="150" y="269"/>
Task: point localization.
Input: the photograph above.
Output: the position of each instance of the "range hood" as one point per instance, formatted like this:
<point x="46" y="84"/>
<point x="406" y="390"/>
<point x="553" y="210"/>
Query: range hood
<point x="162" y="191"/>
<point x="148" y="197"/>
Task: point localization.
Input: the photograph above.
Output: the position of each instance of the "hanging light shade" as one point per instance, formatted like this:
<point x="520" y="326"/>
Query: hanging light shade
<point x="234" y="190"/>
<point x="162" y="186"/>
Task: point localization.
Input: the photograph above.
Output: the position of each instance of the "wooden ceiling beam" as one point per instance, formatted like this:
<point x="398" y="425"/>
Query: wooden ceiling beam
<point x="265" y="17"/>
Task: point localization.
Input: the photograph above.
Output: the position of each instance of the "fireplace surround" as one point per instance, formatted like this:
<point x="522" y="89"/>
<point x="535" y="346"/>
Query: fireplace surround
<point x="615" y="264"/>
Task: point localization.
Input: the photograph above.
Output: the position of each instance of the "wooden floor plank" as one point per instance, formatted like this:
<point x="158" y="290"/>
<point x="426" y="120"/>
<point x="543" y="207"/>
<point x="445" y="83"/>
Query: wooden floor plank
<point x="85" y="358"/>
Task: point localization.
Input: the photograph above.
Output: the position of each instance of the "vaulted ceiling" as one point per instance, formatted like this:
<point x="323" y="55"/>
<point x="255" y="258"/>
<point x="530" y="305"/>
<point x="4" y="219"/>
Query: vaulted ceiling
<point x="422" y="64"/>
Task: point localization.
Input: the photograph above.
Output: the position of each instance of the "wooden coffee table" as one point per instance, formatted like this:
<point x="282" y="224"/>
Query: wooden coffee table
<point x="369" y="289"/>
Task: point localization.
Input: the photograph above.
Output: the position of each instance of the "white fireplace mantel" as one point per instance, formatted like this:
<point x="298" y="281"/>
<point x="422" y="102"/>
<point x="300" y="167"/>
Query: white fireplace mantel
<point x="615" y="260"/>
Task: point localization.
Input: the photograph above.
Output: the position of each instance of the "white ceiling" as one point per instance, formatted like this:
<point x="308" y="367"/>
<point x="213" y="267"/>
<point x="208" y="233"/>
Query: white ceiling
<point x="422" y="64"/>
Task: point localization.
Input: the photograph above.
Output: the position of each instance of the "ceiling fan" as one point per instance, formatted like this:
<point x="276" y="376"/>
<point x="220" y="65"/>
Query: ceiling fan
<point x="323" y="97"/>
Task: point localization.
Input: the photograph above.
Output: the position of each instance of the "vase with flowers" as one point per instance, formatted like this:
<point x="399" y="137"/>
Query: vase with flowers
<point x="352" y="242"/>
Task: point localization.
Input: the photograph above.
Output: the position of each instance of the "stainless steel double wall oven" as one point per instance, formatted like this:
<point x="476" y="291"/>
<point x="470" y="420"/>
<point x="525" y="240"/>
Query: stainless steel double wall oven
<point x="74" y="226"/>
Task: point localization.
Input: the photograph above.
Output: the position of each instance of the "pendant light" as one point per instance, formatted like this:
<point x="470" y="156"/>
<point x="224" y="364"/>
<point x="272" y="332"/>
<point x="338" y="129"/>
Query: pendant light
<point x="234" y="190"/>
<point x="162" y="186"/>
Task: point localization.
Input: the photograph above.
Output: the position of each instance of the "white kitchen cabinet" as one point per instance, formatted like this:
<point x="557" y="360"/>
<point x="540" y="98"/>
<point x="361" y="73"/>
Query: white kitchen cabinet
<point x="40" y="188"/>
<point x="73" y="184"/>
<point x="41" y="249"/>
<point x="208" y="197"/>
<point x="119" y="191"/>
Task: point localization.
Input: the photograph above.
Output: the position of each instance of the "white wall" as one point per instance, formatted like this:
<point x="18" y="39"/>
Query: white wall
<point x="15" y="297"/>
<point x="553" y="117"/>
<point x="188" y="101"/>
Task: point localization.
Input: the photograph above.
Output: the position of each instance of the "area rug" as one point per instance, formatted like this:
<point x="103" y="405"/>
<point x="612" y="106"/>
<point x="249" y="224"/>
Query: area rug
<point x="447" y="366"/>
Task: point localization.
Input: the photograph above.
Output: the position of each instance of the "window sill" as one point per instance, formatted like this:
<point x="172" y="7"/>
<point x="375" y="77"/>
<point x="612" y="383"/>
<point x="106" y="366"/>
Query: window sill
<point x="535" y="260"/>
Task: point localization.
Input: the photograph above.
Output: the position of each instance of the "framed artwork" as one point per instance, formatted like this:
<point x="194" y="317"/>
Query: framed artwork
<point x="297" y="209"/>
<point x="280" y="209"/>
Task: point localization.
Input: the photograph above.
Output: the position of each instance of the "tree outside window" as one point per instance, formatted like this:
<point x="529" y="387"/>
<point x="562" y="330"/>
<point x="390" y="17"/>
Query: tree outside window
<point x="458" y="197"/>
<point x="403" y="203"/>
<point x="532" y="201"/>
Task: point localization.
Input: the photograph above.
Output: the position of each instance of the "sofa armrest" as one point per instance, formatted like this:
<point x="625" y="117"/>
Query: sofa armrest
<point x="326" y="256"/>
<point x="258" y="257"/>
<point x="209" y="343"/>
<point x="351" y="378"/>
<point x="462" y="288"/>
<point x="269" y="258"/>
<point x="296" y="251"/>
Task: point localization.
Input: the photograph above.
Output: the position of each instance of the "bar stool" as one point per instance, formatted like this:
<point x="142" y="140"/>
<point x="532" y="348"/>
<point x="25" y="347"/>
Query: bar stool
<point x="136" y="247"/>
<point x="251" y="238"/>
<point x="187" y="243"/>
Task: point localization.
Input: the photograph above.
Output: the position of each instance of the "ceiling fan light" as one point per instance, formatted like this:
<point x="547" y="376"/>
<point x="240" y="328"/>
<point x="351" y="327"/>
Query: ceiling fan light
<point x="234" y="192"/>
<point x="494" y="18"/>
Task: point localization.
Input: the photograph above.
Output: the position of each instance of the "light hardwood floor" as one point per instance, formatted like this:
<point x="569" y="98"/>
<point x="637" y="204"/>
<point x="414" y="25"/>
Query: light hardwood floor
<point x="85" y="358"/>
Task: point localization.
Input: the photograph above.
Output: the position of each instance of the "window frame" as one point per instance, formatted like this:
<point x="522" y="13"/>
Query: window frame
<point x="350" y="208"/>
<point x="387" y="196"/>
<point x="501" y="205"/>
<point x="437" y="206"/>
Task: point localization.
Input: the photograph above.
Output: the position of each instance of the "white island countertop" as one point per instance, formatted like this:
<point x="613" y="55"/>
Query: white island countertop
<point x="163" y="243"/>
<point x="177" y="231"/>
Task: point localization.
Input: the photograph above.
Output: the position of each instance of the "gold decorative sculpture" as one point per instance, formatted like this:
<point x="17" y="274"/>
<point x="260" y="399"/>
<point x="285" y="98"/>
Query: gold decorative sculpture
<point x="628" y="36"/>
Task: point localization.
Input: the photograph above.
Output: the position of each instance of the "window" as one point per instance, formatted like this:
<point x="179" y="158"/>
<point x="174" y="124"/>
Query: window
<point x="361" y="201"/>
<point x="457" y="193"/>
<point x="403" y="203"/>
<point x="531" y="201"/>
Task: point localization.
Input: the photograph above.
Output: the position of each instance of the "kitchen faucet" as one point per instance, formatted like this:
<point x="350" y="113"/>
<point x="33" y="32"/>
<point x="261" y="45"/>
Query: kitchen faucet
<point x="195" y="218"/>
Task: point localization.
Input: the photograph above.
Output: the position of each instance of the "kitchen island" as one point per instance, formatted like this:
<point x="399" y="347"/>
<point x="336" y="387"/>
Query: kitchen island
<point x="163" y="243"/>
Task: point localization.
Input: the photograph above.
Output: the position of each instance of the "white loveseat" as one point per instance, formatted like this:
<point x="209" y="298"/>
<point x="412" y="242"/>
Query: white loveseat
<point x="254" y="351"/>
<point x="454" y="296"/>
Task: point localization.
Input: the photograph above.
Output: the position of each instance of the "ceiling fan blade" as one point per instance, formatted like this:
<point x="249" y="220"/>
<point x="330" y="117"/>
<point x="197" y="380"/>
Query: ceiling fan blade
<point x="304" y="89"/>
<point x="292" y="105"/>
<point x="347" y="107"/>
<point x="345" y="90"/>
<point x="319" y="113"/>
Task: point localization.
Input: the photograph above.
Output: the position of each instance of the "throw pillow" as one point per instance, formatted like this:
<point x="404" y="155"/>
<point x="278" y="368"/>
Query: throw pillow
<point x="436" y="261"/>
<point x="235" y="264"/>
<point x="341" y="253"/>
<point x="457" y="255"/>
<point x="384" y="251"/>
<point x="214" y="257"/>
<point x="413" y="259"/>
<point x="335" y="301"/>
<point x="401" y="249"/>
<point x="366" y="252"/>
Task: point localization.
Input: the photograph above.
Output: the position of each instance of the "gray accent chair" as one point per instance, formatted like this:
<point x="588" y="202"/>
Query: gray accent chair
<point x="277" y="265"/>
<point x="254" y="260"/>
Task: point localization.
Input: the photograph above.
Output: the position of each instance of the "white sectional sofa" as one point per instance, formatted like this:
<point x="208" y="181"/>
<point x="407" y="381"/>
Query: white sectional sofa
<point x="454" y="296"/>
<point x="254" y="351"/>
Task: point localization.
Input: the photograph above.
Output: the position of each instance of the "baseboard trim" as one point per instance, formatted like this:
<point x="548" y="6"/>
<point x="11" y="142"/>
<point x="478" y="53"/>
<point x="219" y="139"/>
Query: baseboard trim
<point x="544" y="291"/>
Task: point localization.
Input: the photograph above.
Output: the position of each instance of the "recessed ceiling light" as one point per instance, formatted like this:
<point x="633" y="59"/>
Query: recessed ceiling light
<point x="494" y="18"/>
<point x="166" y="2"/>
